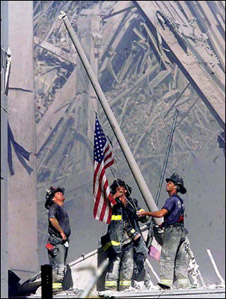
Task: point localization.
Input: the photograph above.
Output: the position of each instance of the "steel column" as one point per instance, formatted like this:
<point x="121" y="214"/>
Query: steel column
<point x="112" y="120"/>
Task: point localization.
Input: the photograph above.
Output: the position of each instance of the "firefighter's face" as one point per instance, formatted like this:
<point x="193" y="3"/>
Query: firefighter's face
<point x="121" y="189"/>
<point x="170" y="186"/>
<point x="59" y="196"/>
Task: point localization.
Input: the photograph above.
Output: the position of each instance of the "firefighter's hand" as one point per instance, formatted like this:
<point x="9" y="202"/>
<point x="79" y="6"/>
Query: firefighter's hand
<point x="141" y="213"/>
<point x="63" y="236"/>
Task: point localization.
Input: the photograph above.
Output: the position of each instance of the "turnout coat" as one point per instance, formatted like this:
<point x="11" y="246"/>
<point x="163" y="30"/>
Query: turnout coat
<point x="112" y="241"/>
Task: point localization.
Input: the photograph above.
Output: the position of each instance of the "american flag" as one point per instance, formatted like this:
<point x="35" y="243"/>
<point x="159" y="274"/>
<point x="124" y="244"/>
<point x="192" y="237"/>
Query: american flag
<point x="103" y="158"/>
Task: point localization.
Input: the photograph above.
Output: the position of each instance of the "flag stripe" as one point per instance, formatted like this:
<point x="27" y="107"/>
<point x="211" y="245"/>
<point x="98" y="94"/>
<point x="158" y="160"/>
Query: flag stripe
<point x="104" y="207"/>
<point x="107" y="158"/>
<point x="95" y="175"/>
<point x="103" y="159"/>
<point x="98" y="195"/>
<point x="109" y="164"/>
<point x="102" y="187"/>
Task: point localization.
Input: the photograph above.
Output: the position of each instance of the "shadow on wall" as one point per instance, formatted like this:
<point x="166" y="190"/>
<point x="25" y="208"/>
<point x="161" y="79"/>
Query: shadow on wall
<point x="221" y="141"/>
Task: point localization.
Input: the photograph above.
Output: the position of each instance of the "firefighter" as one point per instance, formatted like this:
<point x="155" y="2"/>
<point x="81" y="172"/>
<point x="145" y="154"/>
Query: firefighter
<point x="173" y="266"/>
<point x="123" y="238"/>
<point x="59" y="232"/>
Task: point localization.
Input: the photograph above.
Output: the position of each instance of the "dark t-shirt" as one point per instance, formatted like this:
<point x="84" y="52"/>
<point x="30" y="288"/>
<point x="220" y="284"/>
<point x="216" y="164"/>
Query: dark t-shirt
<point x="175" y="206"/>
<point x="58" y="212"/>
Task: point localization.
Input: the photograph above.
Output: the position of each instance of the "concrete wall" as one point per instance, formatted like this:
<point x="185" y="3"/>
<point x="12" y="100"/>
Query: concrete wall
<point x="22" y="205"/>
<point x="4" y="165"/>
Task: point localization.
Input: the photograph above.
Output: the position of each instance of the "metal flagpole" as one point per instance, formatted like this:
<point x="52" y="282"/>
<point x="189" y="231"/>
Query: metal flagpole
<point x="167" y="156"/>
<point x="149" y="238"/>
<point x="113" y="122"/>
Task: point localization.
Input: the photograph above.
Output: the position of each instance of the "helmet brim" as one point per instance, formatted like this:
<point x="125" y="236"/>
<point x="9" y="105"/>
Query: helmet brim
<point x="182" y="190"/>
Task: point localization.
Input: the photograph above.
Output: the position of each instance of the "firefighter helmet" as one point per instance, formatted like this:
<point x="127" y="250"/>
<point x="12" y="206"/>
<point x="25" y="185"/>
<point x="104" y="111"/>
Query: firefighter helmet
<point x="178" y="181"/>
<point x="119" y="182"/>
<point x="50" y="194"/>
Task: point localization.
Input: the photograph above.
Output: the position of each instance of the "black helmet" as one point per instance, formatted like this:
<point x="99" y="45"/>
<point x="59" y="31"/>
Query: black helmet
<point x="50" y="194"/>
<point x="178" y="181"/>
<point x="119" y="182"/>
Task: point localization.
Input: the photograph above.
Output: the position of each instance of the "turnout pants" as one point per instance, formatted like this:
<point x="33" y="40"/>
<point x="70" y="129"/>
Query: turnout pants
<point x="173" y="265"/>
<point x="139" y="273"/>
<point x="58" y="263"/>
<point x="120" y="269"/>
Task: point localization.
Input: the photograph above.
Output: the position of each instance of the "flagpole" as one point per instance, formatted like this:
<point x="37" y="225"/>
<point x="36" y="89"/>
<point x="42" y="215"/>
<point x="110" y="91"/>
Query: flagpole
<point x="148" y="198"/>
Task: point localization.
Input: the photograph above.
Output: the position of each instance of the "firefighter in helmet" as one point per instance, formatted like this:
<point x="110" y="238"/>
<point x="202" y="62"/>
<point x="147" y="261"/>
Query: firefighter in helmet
<point x="59" y="232"/>
<point x="173" y="265"/>
<point x="123" y="238"/>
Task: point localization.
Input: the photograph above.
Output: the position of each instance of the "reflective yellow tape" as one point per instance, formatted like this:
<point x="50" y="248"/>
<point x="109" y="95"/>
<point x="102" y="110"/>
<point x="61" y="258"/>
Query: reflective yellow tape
<point x="116" y="217"/>
<point x="106" y="246"/>
<point x="57" y="285"/>
<point x="125" y="282"/>
<point x="132" y="231"/>
<point x="111" y="243"/>
<point x="140" y="210"/>
<point x="110" y="283"/>
<point x="114" y="243"/>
